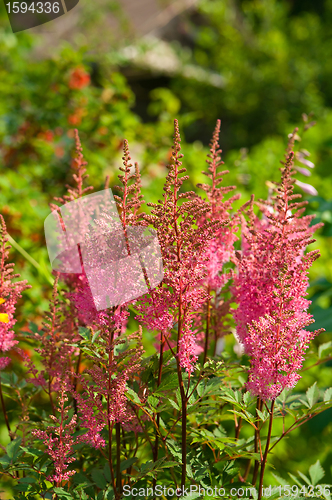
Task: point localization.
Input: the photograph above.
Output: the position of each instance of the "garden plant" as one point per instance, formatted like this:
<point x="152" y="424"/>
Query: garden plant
<point x="95" y="416"/>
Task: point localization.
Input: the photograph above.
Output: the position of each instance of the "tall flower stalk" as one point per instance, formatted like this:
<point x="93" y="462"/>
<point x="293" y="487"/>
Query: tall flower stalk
<point x="220" y="249"/>
<point x="169" y="308"/>
<point x="10" y="293"/>
<point x="269" y="287"/>
<point x="59" y="440"/>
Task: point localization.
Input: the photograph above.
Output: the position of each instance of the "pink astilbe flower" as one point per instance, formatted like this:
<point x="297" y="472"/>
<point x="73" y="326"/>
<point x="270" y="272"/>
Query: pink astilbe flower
<point x="79" y="177"/>
<point x="57" y="354"/>
<point x="183" y="244"/>
<point x="270" y="286"/>
<point x="4" y="362"/>
<point x="187" y="350"/>
<point x="80" y="293"/>
<point x="128" y="205"/>
<point x="82" y="300"/>
<point x="103" y="400"/>
<point x="59" y="441"/>
<point x="219" y="250"/>
<point x="9" y="294"/>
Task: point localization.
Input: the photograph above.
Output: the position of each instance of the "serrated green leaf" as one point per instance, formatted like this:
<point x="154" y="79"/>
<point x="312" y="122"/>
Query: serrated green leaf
<point x="174" y="404"/>
<point x="134" y="396"/>
<point x="191" y="496"/>
<point x="263" y="415"/>
<point x="328" y="394"/>
<point x="127" y="463"/>
<point x="84" y="332"/>
<point x="247" y="398"/>
<point x="324" y="347"/>
<point x="99" y="478"/>
<point x="280" y="480"/>
<point x="312" y="394"/>
<point x="168" y="464"/>
<point x="95" y="336"/>
<point x="296" y="481"/>
<point x="200" y="389"/>
<point x="169" y="382"/>
<point x="13" y="449"/>
<point x="316" y="472"/>
<point x="153" y="401"/>
<point x="304" y="477"/>
<point x="62" y="493"/>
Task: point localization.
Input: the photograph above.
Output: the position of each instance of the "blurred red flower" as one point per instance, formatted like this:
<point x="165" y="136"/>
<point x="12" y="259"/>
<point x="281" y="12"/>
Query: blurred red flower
<point x="79" y="78"/>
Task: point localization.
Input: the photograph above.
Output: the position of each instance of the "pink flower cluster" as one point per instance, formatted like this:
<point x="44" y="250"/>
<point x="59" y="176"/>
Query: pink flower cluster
<point x="59" y="441"/>
<point x="9" y="295"/>
<point x="103" y="400"/>
<point x="183" y="248"/>
<point x="269" y="288"/>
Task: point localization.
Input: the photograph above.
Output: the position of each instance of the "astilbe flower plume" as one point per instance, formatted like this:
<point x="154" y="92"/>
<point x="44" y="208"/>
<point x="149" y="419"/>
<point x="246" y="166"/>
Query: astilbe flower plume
<point x="183" y="241"/>
<point x="128" y="205"/>
<point x="103" y="401"/>
<point x="10" y="292"/>
<point x="57" y="355"/>
<point x="270" y="286"/>
<point x="59" y="440"/>
<point x="80" y="293"/>
<point x="220" y="249"/>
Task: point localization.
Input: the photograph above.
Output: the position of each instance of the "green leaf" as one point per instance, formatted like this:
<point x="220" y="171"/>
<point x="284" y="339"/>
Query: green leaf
<point x="328" y="394"/>
<point x="84" y="332"/>
<point x="174" y="448"/>
<point x="166" y="465"/>
<point x="280" y="480"/>
<point x="127" y="463"/>
<point x="307" y="480"/>
<point x="191" y="496"/>
<point x="28" y="480"/>
<point x="169" y="382"/>
<point x="296" y="481"/>
<point x="189" y="471"/>
<point x="312" y="394"/>
<point x="263" y="415"/>
<point x="316" y="472"/>
<point x="324" y="347"/>
<point x="62" y="493"/>
<point x="247" y="398"/>
<point x="107" y="472"/>
<point x="153" y="401"/>
<point x="13" y="449"/>
<point x="174" y="404"/>
<point x="95" y="336"/>
<point x="34" y="328"/>
<point x="80" y="479"/>
<point x="134" y="396"/>
<point x="201" y="389"/>
<point x="5" y="461"/>
<point x="99" y="478"/>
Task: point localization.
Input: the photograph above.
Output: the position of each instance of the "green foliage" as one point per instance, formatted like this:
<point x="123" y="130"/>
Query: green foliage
<point x="274" y="58"/>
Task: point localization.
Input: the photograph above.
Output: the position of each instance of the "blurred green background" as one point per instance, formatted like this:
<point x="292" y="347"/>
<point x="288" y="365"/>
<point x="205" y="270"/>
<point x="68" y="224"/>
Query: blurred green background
<point x="126" y="69"/>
